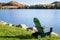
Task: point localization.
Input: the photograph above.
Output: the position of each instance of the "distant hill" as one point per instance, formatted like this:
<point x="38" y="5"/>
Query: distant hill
<point x="12" y="4"/>
<point x="56" y="2"/>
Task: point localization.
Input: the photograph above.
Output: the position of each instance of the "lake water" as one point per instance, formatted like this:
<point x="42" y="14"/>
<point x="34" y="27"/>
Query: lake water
<point x="48" y="18"/>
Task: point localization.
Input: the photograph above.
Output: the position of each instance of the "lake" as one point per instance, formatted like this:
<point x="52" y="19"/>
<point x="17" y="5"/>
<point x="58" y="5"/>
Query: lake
<point x="48" y="17"/>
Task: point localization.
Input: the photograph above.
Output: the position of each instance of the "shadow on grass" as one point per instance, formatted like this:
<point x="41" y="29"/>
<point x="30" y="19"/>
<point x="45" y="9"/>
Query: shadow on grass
<point x="19" y="36"/>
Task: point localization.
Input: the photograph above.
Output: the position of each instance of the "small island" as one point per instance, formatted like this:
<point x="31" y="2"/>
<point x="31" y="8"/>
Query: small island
<point x="16" y="5"/>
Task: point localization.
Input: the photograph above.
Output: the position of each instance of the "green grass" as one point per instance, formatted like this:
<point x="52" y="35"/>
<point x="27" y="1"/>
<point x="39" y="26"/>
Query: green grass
<point x="14" y="33"/>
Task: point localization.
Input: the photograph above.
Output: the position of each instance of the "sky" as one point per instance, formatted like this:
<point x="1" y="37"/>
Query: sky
<point x="30" y="2"/>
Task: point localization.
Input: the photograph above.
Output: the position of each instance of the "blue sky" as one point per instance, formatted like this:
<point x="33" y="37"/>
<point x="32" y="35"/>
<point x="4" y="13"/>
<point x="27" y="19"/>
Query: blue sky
<point x="30" y="2"/>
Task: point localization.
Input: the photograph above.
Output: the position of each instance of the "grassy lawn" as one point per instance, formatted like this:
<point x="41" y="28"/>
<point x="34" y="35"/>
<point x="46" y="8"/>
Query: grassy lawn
<point x="14" y="33"/>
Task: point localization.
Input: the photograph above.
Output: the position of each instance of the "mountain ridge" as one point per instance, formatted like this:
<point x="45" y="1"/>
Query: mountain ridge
<point x="56" y="2"/>
<point x="17" y="5"/>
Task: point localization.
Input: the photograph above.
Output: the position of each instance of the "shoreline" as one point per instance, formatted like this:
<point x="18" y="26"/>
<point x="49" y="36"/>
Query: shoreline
<point x="24" y="27"/>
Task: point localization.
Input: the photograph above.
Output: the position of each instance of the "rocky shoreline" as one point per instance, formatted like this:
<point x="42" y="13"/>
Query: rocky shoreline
<point x="32" y="29"/>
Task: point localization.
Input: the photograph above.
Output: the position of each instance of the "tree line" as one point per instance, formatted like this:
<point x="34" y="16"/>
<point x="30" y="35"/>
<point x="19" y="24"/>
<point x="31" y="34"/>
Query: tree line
<point x="44" y="6"/>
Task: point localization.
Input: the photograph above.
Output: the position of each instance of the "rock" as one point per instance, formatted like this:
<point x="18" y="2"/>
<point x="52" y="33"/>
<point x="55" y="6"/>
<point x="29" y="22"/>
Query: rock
<point x="24" y="26"/>
<point x="35" y="29"/>
<point x="2" y="22"/>
<point x="32" y="29"/>
<point x="53" y="33"/>
<point x="10" y="24"/>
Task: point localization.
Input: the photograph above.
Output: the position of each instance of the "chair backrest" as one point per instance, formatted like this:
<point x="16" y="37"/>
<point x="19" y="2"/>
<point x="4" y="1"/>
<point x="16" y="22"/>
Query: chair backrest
<point x="38" y="25"/>
<point x="51" y="29"/>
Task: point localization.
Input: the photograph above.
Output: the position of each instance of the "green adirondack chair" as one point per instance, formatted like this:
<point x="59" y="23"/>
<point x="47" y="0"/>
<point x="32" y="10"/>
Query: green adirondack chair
<point x="38" y="26"/>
